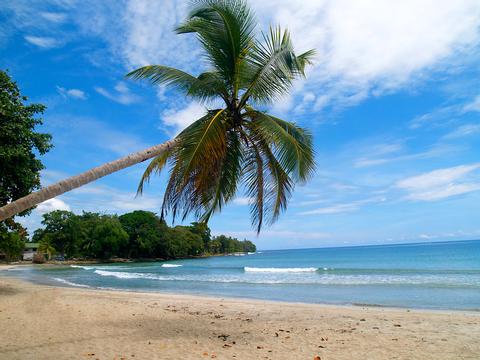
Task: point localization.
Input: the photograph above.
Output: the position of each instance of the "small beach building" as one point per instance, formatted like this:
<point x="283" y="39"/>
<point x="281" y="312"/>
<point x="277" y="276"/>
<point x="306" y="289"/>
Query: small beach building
<point x="30" y="250"/>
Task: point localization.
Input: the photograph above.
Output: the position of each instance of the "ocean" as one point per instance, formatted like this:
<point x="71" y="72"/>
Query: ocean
<point x="440" y="275"/>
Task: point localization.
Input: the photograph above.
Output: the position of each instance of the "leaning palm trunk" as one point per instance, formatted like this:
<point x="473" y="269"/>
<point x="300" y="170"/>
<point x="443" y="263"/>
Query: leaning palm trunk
<point x="61" y="187"/>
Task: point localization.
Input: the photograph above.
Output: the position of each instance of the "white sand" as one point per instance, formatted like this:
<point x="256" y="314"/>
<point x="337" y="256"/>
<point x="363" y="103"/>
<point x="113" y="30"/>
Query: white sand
<point x="40" y="322"/>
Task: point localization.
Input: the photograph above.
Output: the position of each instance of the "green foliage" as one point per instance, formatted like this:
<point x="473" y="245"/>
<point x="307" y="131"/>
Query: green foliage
<point x="136" y="235"/>
<point x="60" y="232"/>
<point x="181" y="242"/>
<point x="230" y="245"/>
<point x="19" y="142"/>
<point x="201" y="229"/>
<point x="146" y="234"/>
<point x="107" y="238"/>
<point x="235" y="143"/>
<point x="11" y="244"/>
<point x="20" y="167"/>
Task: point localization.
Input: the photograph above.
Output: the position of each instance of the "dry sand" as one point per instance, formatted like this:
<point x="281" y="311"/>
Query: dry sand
<point x="41" y="322"/>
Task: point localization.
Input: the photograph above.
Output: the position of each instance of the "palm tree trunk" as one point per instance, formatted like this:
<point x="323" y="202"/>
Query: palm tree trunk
<point x="74" y="182"/>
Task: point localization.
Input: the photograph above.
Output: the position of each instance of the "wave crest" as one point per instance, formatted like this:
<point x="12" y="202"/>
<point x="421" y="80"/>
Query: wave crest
<point x="279" y="270"/>
<point x="63" y="281"/>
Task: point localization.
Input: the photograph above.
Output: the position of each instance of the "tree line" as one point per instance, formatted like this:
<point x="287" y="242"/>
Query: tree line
<point x="135" y="235"/>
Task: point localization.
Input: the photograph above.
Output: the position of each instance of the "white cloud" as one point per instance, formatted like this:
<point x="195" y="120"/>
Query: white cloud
<point x="103" y="198"/>
<point x="121" y="94"/>
<point x="344" y="207"/>
<point x="278" y="234"/>
<point x="150" y="38"/>
<point x="434" y="151"/>
<point x="368" y="47"/>
<point x="438" y="117"/>
<point x="441" y="184"/>
<point x="446" y="191"/>
<point x="180" y="119"/>
<point x="463" y="131"/>
<point x="334" y="209"/>
<point x="243" y="201"/>
<point x="54" y="17"/>
<point x="73" y="93"/>
<point x="474" y="105"/>
<point x="365" y="48"/>
<point x="51" y="205"/>
<point x="42" y="42"/>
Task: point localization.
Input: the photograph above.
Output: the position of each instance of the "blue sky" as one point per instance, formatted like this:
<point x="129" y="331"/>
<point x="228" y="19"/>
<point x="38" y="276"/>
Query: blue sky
<point x="393" y="101"/>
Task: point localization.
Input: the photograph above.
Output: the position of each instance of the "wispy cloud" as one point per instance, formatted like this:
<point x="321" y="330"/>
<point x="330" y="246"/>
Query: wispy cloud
<point x="434" y="151"/>
<point x="343" y="207"/>
<point x="463" y="131"/>
<point x="279" y="234"/>
<point x="121" y="94"/>
<point x="445" y="115"/>
<point x="54" y="17"/>
<point x="474" y="105"/>
<point x="442" y="183"/>
<point x="243" y="201"/>
<point x="72" y="93"/>
<point x="42" y="42"/>
<point x="179" y="119"/>
<point x="110" y="199"/>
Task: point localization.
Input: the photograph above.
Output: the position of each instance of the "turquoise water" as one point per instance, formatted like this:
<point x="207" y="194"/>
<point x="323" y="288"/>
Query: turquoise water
<point x="430" y="275"/>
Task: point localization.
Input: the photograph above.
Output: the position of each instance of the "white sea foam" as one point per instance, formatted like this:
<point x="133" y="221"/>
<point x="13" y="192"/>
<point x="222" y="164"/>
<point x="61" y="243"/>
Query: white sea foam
<point x="171" y="265"/>
<point x="83" y="267"/>
<point x="280" y="270"/>
<point x="286" y="276"/>
<point x="122" y="274"/>
<point x="70" y="283"/>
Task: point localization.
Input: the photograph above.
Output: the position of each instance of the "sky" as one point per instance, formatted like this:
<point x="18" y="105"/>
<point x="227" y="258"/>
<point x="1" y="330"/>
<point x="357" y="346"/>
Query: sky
<point x="393" y="102"/>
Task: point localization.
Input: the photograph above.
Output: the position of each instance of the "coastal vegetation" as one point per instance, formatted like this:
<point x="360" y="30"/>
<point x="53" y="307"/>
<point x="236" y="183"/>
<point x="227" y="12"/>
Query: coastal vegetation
<point x="135" y="235"/>
<point x="236" y="145"/>
<point x="20" y="146"/>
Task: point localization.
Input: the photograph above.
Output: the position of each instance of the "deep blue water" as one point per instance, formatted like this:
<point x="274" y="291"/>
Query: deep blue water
<point x="429" y="275"/>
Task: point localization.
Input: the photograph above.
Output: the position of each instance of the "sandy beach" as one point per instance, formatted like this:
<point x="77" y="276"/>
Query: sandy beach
<point x="43" y="322"/>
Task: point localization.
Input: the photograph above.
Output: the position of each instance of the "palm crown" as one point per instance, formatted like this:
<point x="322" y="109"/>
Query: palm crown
<point x="236" y="144"/>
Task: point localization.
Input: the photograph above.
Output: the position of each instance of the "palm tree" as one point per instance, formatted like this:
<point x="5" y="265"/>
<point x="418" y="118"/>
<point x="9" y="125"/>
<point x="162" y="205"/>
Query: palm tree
<point x="45" y="247"/>
<point x="235" y="145"/>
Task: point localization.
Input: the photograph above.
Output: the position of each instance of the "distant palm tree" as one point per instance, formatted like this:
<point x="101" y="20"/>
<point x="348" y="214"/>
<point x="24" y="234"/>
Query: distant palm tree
<point x="235" y="144"/>
<point x="45" y="247"/>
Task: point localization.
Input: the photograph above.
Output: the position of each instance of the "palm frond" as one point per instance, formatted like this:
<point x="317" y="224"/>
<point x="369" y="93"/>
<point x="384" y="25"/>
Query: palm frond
<point x="225" y="29"/>
<point x="279" y="186"/>
<point x="276" y="66"/>
<point x="197" y="164"/>
<point x="156" y="166"/>
<point x="254" y="182"/>
<point x="205" y="87"/>
<point x="292" y="144"/>
<point x="226" y="184"/>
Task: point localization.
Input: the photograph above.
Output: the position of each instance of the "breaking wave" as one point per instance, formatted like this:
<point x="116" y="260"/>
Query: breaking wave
<point x="280" y="270"/>
<point x="171" y="265"/>
<point x="63" y="281"/>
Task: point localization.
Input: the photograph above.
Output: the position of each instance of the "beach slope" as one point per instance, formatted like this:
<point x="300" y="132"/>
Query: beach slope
<point x="41" y="322"/>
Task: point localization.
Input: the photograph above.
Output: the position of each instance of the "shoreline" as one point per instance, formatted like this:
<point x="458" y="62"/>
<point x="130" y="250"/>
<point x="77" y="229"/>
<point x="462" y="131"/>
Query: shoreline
<point x="67" y="323"/>
<point x="67" y="285"/>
